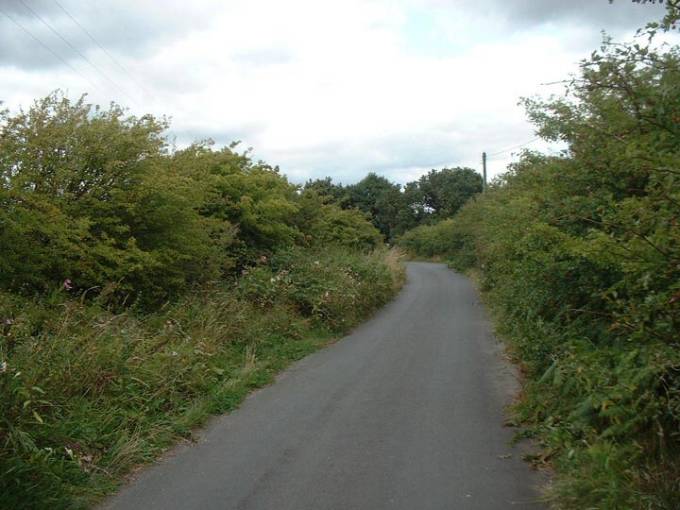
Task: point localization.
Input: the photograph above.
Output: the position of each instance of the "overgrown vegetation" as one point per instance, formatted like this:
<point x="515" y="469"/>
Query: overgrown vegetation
<point x="143" y="289"/>
<point x="579" y="256"/>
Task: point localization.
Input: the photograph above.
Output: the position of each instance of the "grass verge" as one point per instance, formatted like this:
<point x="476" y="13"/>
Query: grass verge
<point x="89" y="394"/>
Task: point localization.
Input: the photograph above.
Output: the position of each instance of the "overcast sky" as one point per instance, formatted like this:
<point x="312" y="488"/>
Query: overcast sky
<point x="317" y="87"/>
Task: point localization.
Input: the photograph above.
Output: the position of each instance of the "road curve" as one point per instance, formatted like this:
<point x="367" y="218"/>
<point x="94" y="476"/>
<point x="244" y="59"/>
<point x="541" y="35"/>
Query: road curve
<point x="404" y="413"/>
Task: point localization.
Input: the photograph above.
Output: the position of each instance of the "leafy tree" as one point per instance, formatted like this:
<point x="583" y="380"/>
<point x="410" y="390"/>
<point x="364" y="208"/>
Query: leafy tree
<point x="324" y="223"/>
<point x="327" y="188"/>
<point x="394" y="210"/>
<point x="253" y="197"/>
<point x="86" y="197"/>
<point x="441" y="193"/>
<point x="381" y="199"/>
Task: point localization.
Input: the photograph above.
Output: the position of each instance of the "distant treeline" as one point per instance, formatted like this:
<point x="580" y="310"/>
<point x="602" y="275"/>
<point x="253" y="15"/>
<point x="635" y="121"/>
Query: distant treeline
<point x="394" y="209"/>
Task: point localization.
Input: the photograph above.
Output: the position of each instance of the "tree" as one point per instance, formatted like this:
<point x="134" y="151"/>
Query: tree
<point x="324" y="222"/>
<point x="252" y="196"/>
<point x="381" y="199"/>
<point x="441" y="193"/>
<point x="327" y="188"/>
<point x="86" y="195"/>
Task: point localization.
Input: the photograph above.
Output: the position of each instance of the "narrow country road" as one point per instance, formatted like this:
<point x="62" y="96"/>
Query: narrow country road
<point x="405" y="413"/>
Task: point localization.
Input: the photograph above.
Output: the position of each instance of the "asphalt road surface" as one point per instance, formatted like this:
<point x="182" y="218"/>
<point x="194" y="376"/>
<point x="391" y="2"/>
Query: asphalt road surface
<point x="405" y="413"/>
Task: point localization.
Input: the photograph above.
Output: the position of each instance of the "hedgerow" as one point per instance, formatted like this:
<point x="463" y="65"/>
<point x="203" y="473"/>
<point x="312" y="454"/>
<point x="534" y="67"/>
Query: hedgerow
<point x="579" y="256"/>
<point x="143" y="288"/>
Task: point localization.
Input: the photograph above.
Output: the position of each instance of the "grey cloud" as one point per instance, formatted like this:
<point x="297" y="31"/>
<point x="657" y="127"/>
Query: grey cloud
<point x="130" y="28"/>
<point x="16" y="7"/>
<point x="349" y="161"/>
<point x="595" y="13"/>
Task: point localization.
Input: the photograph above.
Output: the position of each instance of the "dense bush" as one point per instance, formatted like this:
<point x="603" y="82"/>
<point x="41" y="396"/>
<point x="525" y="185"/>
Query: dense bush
<point x="85" y="196"/>
<point x="332" y="289"/>
<point x="325" y="223"/>
<point x="437" y="240"/>
<point x="254" y="197"/>
<point x="580" y="258"/>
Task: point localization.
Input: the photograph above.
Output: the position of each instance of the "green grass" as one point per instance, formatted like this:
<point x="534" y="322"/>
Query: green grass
<point x="89" y="394"/>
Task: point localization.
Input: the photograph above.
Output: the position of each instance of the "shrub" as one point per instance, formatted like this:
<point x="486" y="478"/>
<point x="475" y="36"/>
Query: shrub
<point x="331" y="287"/>
<point x="94" y="197"/>
<point x="141" y="290"/>
<point x="323" y="223"/>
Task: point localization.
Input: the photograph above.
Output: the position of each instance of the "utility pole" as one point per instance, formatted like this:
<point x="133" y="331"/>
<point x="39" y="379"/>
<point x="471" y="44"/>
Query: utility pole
<point x="484" y="169"/>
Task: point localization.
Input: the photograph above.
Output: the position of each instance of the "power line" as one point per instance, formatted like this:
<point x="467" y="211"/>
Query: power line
<point x="55" y="54"/>
<point x="76" y="50"/>
<point x="515" y="147"/>
<point x="101" y="47"/>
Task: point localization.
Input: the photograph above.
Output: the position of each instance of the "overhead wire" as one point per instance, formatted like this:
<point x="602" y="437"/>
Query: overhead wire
<point x="50" y="50"/>
<point x="101" y="47"/>
<point x="77" y="51"/>
<point x="519" y="146"/>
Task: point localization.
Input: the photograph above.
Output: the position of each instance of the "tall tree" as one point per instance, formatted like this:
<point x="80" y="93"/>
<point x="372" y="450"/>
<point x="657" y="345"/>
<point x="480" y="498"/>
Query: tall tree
<point x="381" y="199"/>
<point x="326" y="188"/>
<point x="441" y="193"/>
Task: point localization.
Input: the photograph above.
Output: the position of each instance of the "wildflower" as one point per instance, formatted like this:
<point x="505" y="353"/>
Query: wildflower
<point x="68" y="284"/>
<point x="6" y="325"/>
<point x="3" y="367"/>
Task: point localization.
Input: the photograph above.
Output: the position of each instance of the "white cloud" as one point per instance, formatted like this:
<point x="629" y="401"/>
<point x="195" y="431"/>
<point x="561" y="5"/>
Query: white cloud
<point x="323" y="88"/>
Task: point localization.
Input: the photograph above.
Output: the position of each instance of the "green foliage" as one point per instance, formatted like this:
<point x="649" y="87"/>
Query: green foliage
<point x="328" y="189"/>
<point x="439" y="194"/>
<point x="254" y="197"/>
<point x="93" y="196"/>
<point x="333" y="289"/>
<point x="394" y="210"/>
<point x="85" y="196"/>
<point x="580" y="257"/>
<point x="431" y="240"/>
<point x="381" y="199"/>
<point x="324" y="223"/>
